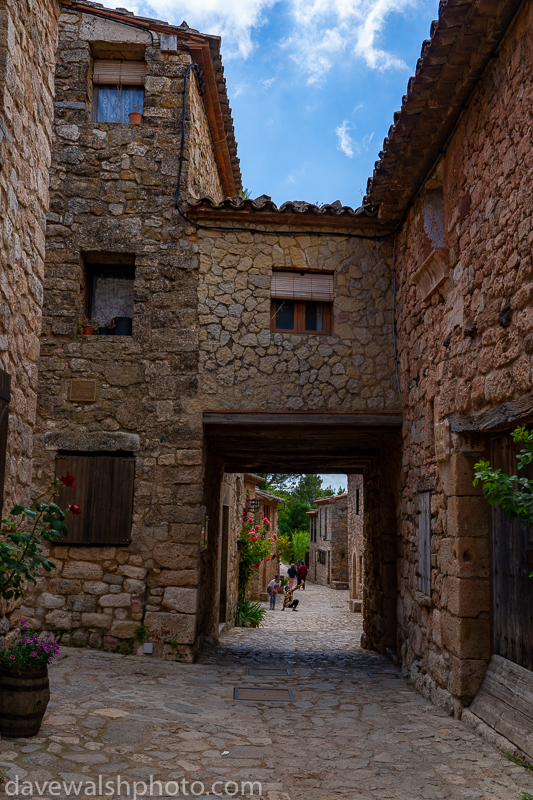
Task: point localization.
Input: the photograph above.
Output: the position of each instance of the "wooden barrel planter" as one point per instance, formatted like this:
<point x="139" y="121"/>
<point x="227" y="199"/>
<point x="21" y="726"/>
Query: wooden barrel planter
<point x="24" y="696"/>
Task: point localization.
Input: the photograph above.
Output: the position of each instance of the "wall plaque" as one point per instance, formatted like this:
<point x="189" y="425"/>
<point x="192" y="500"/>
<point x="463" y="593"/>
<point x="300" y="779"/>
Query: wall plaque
<point x="83" y="391"/>
<point x="442" y="440"/>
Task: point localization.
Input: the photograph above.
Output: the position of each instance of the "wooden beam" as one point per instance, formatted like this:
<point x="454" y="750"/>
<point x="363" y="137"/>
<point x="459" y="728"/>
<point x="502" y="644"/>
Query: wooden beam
<point x="305" y="419"/>
<point x="495" y="419"/>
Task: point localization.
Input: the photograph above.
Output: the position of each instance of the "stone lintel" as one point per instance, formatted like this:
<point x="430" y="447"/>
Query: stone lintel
<point x="92" y="442"/>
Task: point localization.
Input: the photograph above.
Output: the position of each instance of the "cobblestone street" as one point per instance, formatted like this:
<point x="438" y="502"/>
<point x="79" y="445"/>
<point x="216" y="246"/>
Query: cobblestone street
<point x="352" y="731"/>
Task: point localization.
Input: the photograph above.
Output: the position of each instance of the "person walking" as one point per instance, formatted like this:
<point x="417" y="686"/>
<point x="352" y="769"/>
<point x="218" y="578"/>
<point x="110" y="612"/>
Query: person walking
<point x="302" y="575"/>
<point x="288" y="599"/>
<point x="272" y="589"/>
<point x="292" y="573"/>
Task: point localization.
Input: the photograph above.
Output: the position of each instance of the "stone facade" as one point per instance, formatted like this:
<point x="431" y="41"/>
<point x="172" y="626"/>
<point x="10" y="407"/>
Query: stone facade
<point x="243" y="365"/>
<point x="464" y="348"/>
<point x="328" y="547"/>
<point x="112" y="201"/>
<point x="356" y="512"/>
<point x="28" y="39"/>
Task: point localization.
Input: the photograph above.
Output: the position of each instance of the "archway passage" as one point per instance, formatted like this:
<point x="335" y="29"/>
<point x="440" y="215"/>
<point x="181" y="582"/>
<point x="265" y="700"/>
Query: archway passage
<point x="351" y="443"/>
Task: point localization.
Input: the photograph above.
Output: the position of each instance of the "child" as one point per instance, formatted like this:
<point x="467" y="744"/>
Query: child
<point x="288" y="601"/>
<point x="272" y="590"/>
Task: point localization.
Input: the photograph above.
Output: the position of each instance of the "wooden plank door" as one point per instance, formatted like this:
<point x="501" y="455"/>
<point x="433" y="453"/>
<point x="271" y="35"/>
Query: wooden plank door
<point x="512" y="563"/>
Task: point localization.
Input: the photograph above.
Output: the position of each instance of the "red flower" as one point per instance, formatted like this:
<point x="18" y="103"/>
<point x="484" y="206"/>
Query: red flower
<point x="75" y="509"/>
<point x="257" y="565"/>
<point x="68" y="480"/>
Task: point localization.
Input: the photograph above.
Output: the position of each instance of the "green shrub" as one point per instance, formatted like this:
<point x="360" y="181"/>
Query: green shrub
<point x="250" y="614"/>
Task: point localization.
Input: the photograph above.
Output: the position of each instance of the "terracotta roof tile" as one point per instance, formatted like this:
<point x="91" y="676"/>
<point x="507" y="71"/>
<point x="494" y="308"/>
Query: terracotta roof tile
<point x="264" y="203"/>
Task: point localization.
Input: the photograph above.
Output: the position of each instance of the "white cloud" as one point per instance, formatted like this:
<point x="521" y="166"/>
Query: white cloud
<point x="329" y="28"/>
<point x="234" y="20"/>
<point x="320" y="32"/>
<point x="267" y="83"/>
<point x="346" y="144"/>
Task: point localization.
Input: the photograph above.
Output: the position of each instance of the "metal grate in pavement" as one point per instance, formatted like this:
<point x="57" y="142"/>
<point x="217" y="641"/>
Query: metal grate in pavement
<point x="382" y="675"/>
<point x="258" y="693"/>
<point x="282" y="672"/>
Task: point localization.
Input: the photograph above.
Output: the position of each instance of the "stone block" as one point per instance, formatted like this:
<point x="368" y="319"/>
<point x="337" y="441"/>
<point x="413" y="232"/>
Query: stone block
<point x="59" y="619"/>
<point x="47" y="600"/>
<point x="465" y="637"/>
<point x="457" y="475"/>
<point x="124" y="629"/>
<point x="92" y="553"/>
<point x="465" y="558"/>
<point x="180" y="577"/>
<point x="83" y="602"/>
<point x="113" y="580"/>
<point x="465" y="597"/>
<point x="165" y="626"/>
<point x="93" y="441"/>
<point x="177" y="557"/>
<point x="468" y="516"/>
<point x="61" y="586"/>
<point x="134" y="587"/>
<point x="132" y="572"/>
<point x="180" y="599"/>
<point x="465" y="678"/>
<point x="95" y="587"/>
<point x="115" y="600"/>
<point x="82" y="569"/>
<point x="103" y="621"/>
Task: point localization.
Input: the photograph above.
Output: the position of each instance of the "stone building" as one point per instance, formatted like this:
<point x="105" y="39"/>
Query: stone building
<point x="121" y="412"/>
<point x="328" y="546"/>
<point x="266" y="506"/>
<point x="28" y="39"/>
<point x="356" y="540"/>
<point x="391" y="342"/>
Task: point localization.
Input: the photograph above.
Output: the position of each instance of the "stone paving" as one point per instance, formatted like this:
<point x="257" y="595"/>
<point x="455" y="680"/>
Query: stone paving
<point x="354" y="730"/>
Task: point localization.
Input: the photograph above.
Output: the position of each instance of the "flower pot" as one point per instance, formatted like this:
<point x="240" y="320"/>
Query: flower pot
<point x="135" y="117"/>
<point x="103" y="331"/>
<point x="87" y="330"/>
<point x="123" y="326"/>
<point x="24" y="696"/>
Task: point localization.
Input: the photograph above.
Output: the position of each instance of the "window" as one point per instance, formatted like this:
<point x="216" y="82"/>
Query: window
<point x="302" y="302"/>
<point x="325" y="523"/>
<point x="104" y="492"/>
<point x="118" y="89"/>
<point x="5" y="397"/>
<point x="424" y="543"/>
<point x="109" y="296"/>
<point x="321" y="556"/>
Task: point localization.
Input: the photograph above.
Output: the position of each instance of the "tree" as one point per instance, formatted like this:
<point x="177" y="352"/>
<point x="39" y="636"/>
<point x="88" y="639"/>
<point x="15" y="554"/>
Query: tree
<point x="277" y="482"/>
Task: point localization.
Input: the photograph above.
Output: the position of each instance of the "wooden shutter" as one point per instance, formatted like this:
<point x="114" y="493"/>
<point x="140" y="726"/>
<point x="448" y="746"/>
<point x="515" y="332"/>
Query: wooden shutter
<point x="104" y="492"/>
<point x="116" y="72"/>
<point x="424" y="543"/>
<point x="302" y="286"/>
<point x="5" y="397"/>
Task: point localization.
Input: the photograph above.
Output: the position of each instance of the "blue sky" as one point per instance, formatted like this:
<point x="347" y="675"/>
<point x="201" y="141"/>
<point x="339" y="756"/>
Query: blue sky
<point x="313" y="84"/>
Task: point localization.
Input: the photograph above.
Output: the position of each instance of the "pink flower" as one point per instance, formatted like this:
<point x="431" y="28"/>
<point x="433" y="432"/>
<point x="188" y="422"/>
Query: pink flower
<point x="12" y="658"/>
<point x="257" y="565"/>
<point x="250" y="519"/>
<point x="275" y="537"/>
<point x="34" y="655"/>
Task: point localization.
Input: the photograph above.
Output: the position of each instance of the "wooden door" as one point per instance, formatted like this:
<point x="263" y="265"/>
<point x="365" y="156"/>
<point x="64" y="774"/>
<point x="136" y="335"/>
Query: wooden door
<point x="512" y="563"/>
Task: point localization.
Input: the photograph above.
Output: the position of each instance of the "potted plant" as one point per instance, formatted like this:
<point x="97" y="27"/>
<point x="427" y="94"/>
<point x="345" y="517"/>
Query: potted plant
<point x="24" y="686"/>
<point x="88" y="326"/>
<point x="136" y="116"/>
<point x="24" y="689"/>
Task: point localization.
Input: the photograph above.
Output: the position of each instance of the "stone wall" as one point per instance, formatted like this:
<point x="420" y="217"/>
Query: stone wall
<point x="202" y="169"/>
<point x="112" y="196"/>
<point x="464" y="346"/>
<point x="28" y="33"/>
<point x="245" y="366"/>
<point x="331" y="539"/>
<point x="355" y="540"/>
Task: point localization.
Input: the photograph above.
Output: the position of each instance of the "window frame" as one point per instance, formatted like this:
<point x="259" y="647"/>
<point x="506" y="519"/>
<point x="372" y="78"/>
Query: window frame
<point x="91" y="268"/>
<point x="94" y="109"/>
<point x="299" y="318"/>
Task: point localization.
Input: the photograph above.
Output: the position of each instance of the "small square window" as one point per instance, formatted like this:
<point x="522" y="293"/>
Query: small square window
<point x="118" y="89"/>
<point x="109" y="296"/>
<point x="302" y="303"/>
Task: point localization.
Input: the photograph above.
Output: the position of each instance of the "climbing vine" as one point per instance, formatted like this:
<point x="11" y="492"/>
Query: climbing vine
<point x="256" y="546"/>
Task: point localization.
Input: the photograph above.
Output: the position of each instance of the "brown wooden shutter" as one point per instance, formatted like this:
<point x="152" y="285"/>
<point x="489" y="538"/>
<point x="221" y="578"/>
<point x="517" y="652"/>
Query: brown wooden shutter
<point x="302" y="286"/>
<point x="115" y="72"/>
<point x="5" y="397"/>
<point x="424" y="543"/>
<point x="104" y="492"/>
